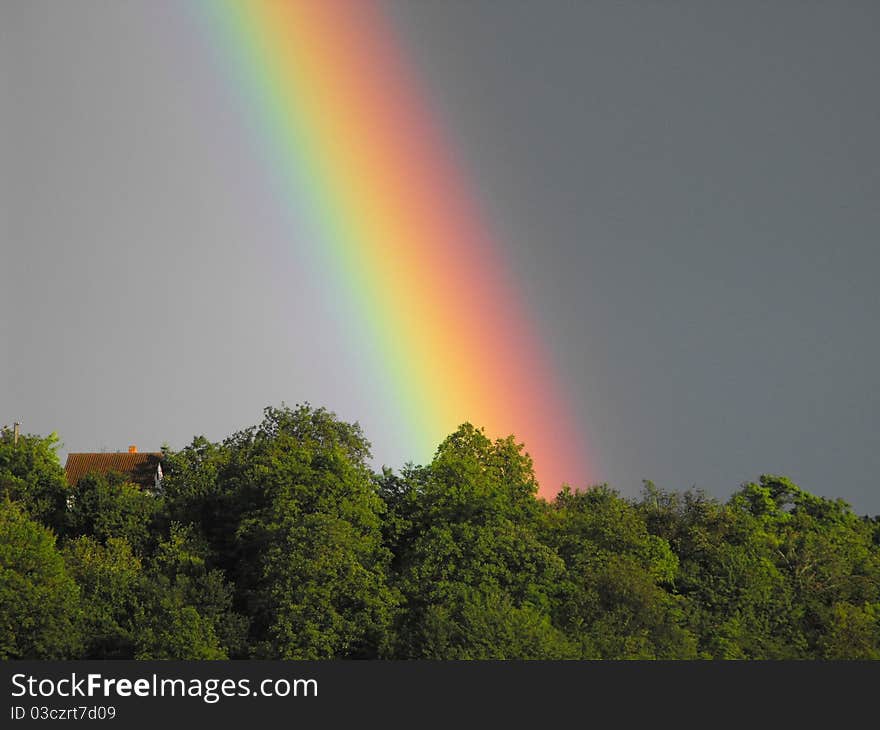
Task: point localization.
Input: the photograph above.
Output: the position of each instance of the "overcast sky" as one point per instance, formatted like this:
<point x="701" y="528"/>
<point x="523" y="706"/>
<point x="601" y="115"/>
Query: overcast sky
<point x="687" y="191"/>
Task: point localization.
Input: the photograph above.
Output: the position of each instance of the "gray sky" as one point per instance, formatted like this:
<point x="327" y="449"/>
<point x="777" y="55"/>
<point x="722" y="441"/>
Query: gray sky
<point x="687" y="191"/>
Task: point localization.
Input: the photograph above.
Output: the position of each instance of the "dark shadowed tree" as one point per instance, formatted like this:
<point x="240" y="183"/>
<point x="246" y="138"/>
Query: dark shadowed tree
<point x="179" y="568"/>
<point x="109" y="506"/>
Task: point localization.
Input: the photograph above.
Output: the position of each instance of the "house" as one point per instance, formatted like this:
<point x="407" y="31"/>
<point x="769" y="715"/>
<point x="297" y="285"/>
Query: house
<point x="140" y="467"/>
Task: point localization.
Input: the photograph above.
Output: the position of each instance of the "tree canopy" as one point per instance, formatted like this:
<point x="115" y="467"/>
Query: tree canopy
<point x="281" y="542"/>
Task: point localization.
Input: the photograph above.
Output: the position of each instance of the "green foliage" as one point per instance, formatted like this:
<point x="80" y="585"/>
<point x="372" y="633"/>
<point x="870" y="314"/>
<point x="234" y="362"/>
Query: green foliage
<point x="195" y="495"/>
<point x="280" y="542"/>
<point x="467" y="539"/>
<point x="108" y="506"/>
<point x="486" y="624"/>
<point x="772" y="573"/>
<point x="180" y="569"/>
<point x="852" y="632"/>
<point x="174" y="629"/>
<point x="827" y="555"/>
<point x="39" y="601"/>
<point x="300" y="533"/>
<point x="739" y="603"/>
<point x="170" y="609"/>
<point x="617" y="599"/>
<point x="111" y="580"/>
<point x="31" y="475"/>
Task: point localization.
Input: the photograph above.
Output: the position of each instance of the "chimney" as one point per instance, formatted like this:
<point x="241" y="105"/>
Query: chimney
<point x="16" y="429"/>
<point x="132" y="449"/>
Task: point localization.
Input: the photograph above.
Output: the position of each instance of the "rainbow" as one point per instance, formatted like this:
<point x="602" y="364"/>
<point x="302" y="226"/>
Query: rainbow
<point x="359" y="158"/>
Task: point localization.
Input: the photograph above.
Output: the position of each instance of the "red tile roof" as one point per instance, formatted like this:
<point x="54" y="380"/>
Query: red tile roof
<point x="140" y="467"/>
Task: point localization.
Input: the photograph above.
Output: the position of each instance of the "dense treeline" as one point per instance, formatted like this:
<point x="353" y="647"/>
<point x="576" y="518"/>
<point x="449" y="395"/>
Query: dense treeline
<point x="281" y="542"/>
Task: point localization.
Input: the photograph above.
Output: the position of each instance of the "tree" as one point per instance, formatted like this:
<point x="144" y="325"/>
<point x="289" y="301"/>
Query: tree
<point x="852" y="632"/>
<point x="170" y="609"/>
<point x="195" y="495"/>
<point x="829" y="559"/>
<point x="484" y="623"/>
<point x="617" y="597"/>
<point x="108" y="506"/>
<point x="31" y="474"/>
<point x="179" y="568"/>
<point x="299" y="519"/>
<point x="280" y="542"/>
<point x="39" y="602"/>
<point x="111" y="581"/>
<point x="465" y="541"/>
<point x="738" y="601"/>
